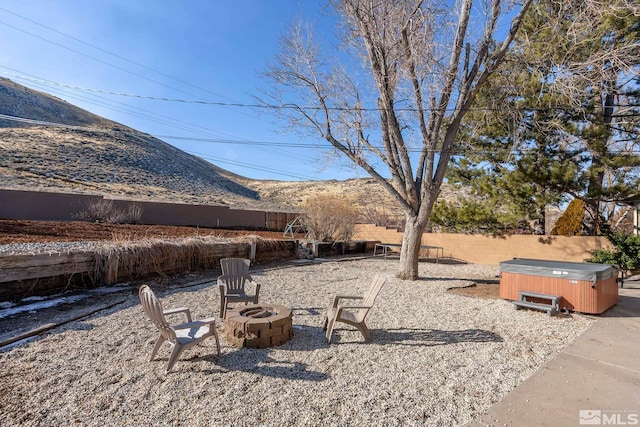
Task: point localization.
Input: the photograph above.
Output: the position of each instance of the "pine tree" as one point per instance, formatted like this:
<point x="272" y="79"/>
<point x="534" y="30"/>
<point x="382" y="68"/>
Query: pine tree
<point x="561" y="118"/>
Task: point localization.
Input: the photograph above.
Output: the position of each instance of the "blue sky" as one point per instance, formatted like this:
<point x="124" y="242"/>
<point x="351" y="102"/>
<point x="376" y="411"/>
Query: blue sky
<point x="199" y="50"/>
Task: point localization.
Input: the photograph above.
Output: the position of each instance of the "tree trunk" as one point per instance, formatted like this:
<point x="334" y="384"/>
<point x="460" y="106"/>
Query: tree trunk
<point x="410" y="254"/>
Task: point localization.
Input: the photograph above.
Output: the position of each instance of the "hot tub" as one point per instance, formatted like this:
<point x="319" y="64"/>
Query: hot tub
<point x="586" y="288"/>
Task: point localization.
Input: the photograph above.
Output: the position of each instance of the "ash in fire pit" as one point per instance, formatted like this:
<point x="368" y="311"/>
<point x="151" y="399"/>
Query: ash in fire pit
<point x="258" y="326"/>
<point x="256" y="313"/>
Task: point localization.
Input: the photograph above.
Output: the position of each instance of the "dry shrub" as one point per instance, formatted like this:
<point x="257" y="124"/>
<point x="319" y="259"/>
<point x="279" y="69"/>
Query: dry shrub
<point x="134" y="213"/>
<point x="376" y="215"/>
<point x="100" y="211"/>
<point x="103" y="210"/>
<point x="329" y="218"/>
<point x="138" y="259"/>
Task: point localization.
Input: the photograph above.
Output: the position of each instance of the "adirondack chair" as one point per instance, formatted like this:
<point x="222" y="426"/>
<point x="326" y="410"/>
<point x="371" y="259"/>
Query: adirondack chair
<point x="353" y="314"/>
<point x="181" y="336"/>
<point x="235" y="275"/>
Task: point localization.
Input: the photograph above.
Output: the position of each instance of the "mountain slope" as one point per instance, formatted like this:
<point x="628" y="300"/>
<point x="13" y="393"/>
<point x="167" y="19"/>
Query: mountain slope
<point x="90" y="154"/>
<point x="96" y="155"/>
<point x="20" y="101"/>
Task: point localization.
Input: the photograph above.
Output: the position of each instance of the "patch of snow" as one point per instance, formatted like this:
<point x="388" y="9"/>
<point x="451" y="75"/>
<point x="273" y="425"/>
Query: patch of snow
<point x="12" y="311"/>
<point x="33" y="298"/>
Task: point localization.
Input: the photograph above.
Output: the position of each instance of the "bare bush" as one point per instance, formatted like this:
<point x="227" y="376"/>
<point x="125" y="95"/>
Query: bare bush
<point x="104" y="211"/>
<point x="376" y="215"/>
<point x="329" y="218"/>
<point x="134" y="213"/>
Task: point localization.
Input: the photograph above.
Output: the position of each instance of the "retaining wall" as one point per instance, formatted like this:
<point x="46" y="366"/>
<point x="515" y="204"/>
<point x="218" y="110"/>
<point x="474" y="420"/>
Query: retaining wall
<point x="42" y="274"/>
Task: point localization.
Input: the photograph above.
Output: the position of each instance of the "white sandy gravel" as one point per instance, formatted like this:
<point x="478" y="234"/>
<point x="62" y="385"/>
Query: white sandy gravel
<point x="436" y="358"/>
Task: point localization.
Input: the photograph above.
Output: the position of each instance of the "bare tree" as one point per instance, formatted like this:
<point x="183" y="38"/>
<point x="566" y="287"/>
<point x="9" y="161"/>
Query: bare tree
<point x="423" y="62"/>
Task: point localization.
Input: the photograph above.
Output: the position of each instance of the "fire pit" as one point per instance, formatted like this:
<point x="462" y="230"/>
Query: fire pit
<point x="258" y="326"/>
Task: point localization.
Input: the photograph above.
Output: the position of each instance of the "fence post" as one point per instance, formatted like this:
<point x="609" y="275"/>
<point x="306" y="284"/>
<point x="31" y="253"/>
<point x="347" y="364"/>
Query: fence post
<point x="252" y="251"/>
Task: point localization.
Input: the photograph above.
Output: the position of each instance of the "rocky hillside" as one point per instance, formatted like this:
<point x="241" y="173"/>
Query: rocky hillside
<point x="19" y="101"/>
<point x="90" y="154"/>
<point x="95" y="155"/>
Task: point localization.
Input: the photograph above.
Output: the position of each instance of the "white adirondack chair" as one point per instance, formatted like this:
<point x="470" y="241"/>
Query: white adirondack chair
<point x="353" y="314"/>
<point x="181" y="336"/>
<point x="235" y="276"/>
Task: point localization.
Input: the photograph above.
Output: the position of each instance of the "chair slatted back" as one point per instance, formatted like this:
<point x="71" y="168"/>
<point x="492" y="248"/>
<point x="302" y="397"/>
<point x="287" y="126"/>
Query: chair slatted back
<point x="153" y="307"/>
<point x="235" y="271"/>
<point x="369" y="298"/>
<point x="374" y="290"/>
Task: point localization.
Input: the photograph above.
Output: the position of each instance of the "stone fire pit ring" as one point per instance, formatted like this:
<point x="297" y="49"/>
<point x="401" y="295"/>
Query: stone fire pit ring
<point x="258" y="326"/>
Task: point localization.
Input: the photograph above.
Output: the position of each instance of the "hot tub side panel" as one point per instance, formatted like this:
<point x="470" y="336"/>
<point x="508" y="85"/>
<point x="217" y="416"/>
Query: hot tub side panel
<point x="607" y="291"/>
<point x="577" y="295"/>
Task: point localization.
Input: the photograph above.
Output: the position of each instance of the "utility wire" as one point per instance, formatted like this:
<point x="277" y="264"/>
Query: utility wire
<point x="52" y="87"/>
<point x="131" y="111"/>
<point x="204" y="156"/>
<point x="115" y="55"/>
<point x="251" y="166"/>
<point x="112" y="54"/>
<point x="457" y="150"/>
<point x="297" y="107"/>
<point x="164" y="120"/>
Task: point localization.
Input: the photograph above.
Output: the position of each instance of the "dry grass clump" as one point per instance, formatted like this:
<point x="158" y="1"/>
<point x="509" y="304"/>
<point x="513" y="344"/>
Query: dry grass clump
<point x="140" y="258"/>
<point x="104" y="210"/>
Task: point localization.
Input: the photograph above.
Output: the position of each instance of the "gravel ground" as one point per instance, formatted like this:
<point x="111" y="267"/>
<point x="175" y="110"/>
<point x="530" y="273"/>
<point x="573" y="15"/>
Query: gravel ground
<point x="436" y="358"/>
<point x="30" y="248"/>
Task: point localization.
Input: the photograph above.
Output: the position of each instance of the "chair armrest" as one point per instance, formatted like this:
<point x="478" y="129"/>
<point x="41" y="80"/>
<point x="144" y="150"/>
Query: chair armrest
<point x="353" y="306"/>
<point x="257" y="285"/>
<point x="337" y="298"/>
<point x="178" y="310"/>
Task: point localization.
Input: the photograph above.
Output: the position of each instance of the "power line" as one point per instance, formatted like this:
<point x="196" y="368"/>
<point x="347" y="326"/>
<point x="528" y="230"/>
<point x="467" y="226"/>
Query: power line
<point x="244" y="142"/>
<point x="251" y="166"/>
<point x="204" y="156"/>
<point x="457" y="150"/>
<point x="114" y="55"/>
<point x="304" y="108"/>
<point x="96" y="59"/>
<point x="51" y="87"/>
<point x="130" y="110"/>
<point x="111" y="53"/>
<point x="269" y="143"/>
<point x="164" y="120"/>
<point x="44" y="123"/>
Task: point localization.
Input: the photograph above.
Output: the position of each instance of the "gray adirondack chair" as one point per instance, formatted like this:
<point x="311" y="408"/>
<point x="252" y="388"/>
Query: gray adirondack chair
<point x="353" y="314"/>
<point x="235" y="276"/>
<point x="181" y="336"/>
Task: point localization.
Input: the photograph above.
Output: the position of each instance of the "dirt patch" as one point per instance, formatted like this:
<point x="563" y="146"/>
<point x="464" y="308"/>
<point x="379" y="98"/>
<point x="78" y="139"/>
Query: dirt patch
<point x="479" y="290"/>
<point x="25" y="231"/>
